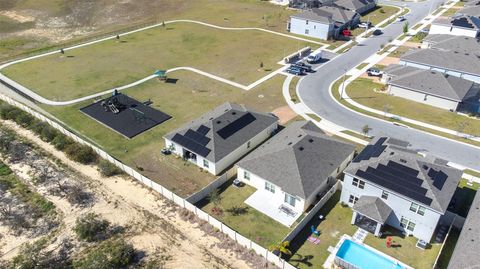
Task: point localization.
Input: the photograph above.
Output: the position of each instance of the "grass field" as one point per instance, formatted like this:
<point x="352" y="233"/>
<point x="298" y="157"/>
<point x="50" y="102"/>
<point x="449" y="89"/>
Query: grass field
<point x="190" y="97"/>
<point x="234" y="55"/>
<point x="361" y="91"/>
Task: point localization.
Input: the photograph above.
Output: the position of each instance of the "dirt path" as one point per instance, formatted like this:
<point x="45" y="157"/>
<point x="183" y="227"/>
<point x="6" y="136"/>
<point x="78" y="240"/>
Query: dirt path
<point x="192" y="248"/>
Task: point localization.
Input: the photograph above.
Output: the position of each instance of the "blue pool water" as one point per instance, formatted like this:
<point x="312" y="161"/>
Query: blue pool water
<point x="364" y="258"/>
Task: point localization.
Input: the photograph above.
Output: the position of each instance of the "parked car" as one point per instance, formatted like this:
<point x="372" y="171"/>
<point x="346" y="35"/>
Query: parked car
<point x="400" y="18"/>
<point x="315" y="56"/>
<point x="365" y="25"/>
<point x="346" y="32"/>
<point x="304" y="66"/>
<point x="377" y="32"/>
<point x="374" y="72"/>
<point x="295" y="71"/>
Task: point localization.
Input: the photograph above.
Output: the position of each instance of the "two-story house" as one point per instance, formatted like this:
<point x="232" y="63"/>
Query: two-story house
<point x="220" y="137"/>
<point x="388" y="184"/>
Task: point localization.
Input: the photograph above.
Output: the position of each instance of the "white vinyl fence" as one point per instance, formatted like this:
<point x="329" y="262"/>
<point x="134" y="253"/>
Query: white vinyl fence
<point x="269" y="256"/>
<point x="199" y="195"/>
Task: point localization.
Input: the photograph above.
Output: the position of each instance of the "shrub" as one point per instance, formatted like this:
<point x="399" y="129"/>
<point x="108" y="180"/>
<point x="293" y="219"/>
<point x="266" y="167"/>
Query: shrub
<point x="48" y="133"/>
<point x="108" y="169"/>
<point x="61" y="141"/>
<point x="109" y="254"/>
<point x="91" y="227"/>
<point x="81" y="153"/>
<point x="38" y="126"/>
<point x="5" y="109"/>
<point x="24" y="119"/>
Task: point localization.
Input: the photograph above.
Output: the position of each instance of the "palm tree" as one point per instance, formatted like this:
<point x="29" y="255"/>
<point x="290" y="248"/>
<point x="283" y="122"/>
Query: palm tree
<point x="282" y="248"/>
<point x="405" y="27"/>
<point x="366" y="129"/>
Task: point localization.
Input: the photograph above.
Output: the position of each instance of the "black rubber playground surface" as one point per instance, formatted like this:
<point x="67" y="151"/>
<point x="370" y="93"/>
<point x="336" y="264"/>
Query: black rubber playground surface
<point x="132" y="119"/>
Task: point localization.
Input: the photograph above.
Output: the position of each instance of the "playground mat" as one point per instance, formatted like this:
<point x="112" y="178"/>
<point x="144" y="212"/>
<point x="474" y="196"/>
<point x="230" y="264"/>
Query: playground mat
<point x="133" y="117"/>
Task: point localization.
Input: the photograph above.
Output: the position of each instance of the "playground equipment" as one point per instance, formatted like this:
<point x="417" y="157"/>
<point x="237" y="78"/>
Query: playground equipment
<point x="389" y="242"/>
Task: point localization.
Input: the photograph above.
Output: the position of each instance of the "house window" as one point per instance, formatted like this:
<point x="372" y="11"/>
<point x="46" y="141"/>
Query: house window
<point x="290" y="199"/>
<point x="352" y="199"/>
<point x="248" y="144"/>
<point x="307" y="31"/>
<point x="355" y="182"/>
<point x="361" y="184"/>
<point x="205" y="163"/>
<point x="172" y="147"/>
<point x="314" y="27"/>
<point x="246" y="175"/>
<point x="414" y="207"/>
<point x="403" y="222"/>
<point x="269" y="187"/>
<point x="421" y="211"/>
<point x="384" y="195"/>
<point x="306" y="22"/>
<point x="411" y="226"/>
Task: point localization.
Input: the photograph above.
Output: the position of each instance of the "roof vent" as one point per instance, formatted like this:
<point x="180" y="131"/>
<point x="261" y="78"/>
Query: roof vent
<point x="234" y="113"/>
<point x="219" y="121"/>
<point x="310" y="140"/>
<point x="301" y="148"/>
<point x="403" y="161"/>
<point x="289" y="143"/>
<point x="425" y="167"/>
<point x="299" y="135"/>
<point x="391" y="153"/>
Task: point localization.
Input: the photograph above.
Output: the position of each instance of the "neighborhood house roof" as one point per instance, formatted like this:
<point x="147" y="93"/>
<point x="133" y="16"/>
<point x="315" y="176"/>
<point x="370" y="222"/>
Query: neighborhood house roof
<point x="327" y="14"/>
<point x="395" y="70"/>
<point x="472" y="3"/>
<point x="459" y="20"/>
<point x="470" y="11"/>
<point x="400" y="170"/>
<point x="298" y="159"/>
<point x="465" y="254"/>
<point x="450" y="60"/>
<point x="353" y="5"/>
<point x="222" y="130"/>
<point x="373" y="207"/>
<point x="435" y="83"/>
<point x="463" y="44"/>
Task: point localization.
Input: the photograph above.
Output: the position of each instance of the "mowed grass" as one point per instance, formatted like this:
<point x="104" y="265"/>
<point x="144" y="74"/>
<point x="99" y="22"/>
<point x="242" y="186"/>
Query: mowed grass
<point x="234" y="55"/>
<point x="187" y="99"/>
<point x="362" y="91"/>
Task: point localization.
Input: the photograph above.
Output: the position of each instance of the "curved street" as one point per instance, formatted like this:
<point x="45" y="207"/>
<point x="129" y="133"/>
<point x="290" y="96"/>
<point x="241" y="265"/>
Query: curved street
<point x="314" y="91"/>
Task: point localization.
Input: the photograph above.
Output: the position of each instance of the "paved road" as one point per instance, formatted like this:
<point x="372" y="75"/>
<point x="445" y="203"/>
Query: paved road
<point x="314" y="91"/>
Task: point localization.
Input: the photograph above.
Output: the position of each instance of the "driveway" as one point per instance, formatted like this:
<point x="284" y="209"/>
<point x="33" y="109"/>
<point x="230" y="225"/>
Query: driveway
<point x="314" y="92"/>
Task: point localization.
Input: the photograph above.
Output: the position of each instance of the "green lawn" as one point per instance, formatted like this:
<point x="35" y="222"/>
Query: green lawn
<point x="292" y="89"/>
<point x="336" y="223"/>
<point x="380" y="14"/>
<point x="187" y="99"/>
<point x="361" y="91"/>
<point x="114" y="63"/>
<point x="247" y="221"/>
<point x="399" y="51"/>
<point x="405" y="250"/>
<point x="448" y="248"/>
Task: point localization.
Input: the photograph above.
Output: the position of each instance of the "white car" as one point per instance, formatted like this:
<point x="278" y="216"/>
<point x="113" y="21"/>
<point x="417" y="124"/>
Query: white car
<point x="400" y="18"/>
<point x="315" y="56"/>
<point x="374" y="72"/>
<point x="365" y="25"/>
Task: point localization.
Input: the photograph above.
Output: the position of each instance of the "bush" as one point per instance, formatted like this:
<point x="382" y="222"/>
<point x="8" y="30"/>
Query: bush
<point x="61" y="141"/>
<point x="81" y="153"/>
<point x="91" y="227"/>
<point x="48" y="133"/>
<point x="108" y="255"/>
<point x="5" y="110"/>
<point x="24" y="119"/>
<point x="108" y="169"/>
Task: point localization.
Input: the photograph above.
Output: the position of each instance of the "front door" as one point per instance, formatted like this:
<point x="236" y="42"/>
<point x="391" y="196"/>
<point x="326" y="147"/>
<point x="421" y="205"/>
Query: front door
<point x="290" y="199"/>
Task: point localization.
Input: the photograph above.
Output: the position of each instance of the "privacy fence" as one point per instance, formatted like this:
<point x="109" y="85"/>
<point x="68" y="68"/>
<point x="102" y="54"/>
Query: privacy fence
<point x="249" y="244"/>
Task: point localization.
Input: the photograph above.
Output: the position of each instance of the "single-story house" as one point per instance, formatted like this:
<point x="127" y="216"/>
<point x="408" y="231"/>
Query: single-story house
<point x="324" y="22"/>
<point x="292" y="170"/>
<point x="359" y="6"/>
<point x="433" y="88"/>
<point x="465" y="254"/>
<point x="390" y="184"/>
<point x="458" y="25"/>
<point x="220" y="137"/>
<point x="463" y="44"/>
<point x="454" y="63"/>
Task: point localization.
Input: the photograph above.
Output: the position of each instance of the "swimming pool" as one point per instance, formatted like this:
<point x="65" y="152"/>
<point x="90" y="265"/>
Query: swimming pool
<point x="364" y="258"/>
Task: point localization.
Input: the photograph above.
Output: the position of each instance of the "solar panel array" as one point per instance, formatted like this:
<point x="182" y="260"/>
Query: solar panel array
<point x="236" y="125"/>
<point x="372" y="150"/>
<point x="439" y="178"/>
<point x="197" y="137"/>
<point x="462" y="22"/>
<point x="191" y="144"/>
<point x="203" y="129"/>
<point x="399" y="178"/>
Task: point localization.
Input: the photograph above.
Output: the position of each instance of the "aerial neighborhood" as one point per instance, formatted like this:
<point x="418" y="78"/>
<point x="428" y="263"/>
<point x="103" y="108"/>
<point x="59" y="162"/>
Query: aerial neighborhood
<point x="240" y="134"/>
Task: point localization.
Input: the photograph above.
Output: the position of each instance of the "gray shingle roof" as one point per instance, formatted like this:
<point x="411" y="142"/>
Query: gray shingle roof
<point x="450" y="60"/>
<point x="298" y="159"/>
<point x="352" y="4"/>
<point x="470" y="11"/>
<point x="223" y="130"/>
<point x="434" y="83"/>
<point x="472" y="3"/>
<point x="327" y="14"/>
<point x="373" y="207"/>
<point x="395" y="70"/>
<point x="420" y="174"/>
<point x="458" y="21"/>
<point x="465" y="254"/>
<point x="463" y="44"/>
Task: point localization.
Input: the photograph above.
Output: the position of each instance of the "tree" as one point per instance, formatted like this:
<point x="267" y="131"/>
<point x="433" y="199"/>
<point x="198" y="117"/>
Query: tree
<point x="91" y="227"/>
<point x="282" y="248"/>
<point x="108" y="169"/>
<point x="405" y="27"/>
<point x="215" y="198"/>
<point x="366" y="129"/>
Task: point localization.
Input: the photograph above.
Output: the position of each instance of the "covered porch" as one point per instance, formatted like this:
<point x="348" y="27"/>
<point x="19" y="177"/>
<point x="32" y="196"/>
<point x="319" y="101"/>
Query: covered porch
<point x="265" y="202"/>
<point x="371" y="213"/>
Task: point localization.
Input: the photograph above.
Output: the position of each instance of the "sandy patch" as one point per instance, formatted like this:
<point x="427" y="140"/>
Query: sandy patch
<point x="284" y="114"/>
<point x="389" y="60"/>
<point x="411" y="44"/>
<point x="16" y="16"/>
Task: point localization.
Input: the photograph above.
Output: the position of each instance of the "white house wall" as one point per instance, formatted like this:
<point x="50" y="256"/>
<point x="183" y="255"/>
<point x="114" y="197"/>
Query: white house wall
<point x="424" y="225"/>
<point x="315" y="29"/>
<point x="448" y="30"/>
<point x="422" y="98"/>
<point x="199" y="162"/>
<point x="259" y="184"/>
<point x="474" y="78"/>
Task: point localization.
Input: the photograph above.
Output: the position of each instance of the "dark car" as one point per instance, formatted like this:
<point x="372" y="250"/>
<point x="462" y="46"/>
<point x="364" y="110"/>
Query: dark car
<point x="304" y="66"/>
<point x="295" y="70"/>
<point x="377" y="32"/>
